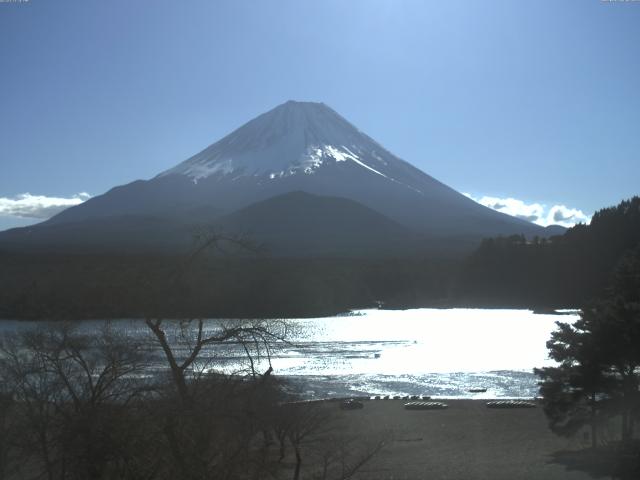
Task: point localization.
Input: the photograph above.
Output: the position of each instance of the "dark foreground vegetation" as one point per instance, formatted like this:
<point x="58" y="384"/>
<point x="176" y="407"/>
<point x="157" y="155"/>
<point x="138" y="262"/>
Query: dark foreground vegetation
<point x="564" y="271"/>
<point x="108" y="286"/>
<point x="597" y="380"/>
<point x="560" y="272"/>
<point x="77" y="406"/>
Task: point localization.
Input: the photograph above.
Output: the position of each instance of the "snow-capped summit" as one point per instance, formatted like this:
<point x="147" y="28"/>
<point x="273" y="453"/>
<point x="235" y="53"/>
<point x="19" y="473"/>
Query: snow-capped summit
<point x="293" y="138"/>
<point x="298" y="147"/>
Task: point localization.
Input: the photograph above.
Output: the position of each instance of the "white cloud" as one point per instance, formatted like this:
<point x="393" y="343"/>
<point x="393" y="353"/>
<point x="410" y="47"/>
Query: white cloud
<point x="41" y="207"/>
<point x="534" y="212"/>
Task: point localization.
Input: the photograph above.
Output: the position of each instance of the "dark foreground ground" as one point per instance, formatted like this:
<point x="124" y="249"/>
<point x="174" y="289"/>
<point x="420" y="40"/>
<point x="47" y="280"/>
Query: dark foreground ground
<point x="466" y="441"/>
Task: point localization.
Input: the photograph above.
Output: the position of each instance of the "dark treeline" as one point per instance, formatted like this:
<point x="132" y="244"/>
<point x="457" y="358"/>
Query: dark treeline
<point x="563" y="271"/>
<point x="109" y="286"/>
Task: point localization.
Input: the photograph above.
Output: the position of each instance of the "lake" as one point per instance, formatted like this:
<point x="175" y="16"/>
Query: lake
<point x="436" y="352"/>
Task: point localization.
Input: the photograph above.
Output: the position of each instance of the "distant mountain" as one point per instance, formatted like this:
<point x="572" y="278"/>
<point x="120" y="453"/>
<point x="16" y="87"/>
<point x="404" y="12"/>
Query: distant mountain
<point x="298" y="224"/>
<point x="296" y="147"/>
<point x="554" y="230"/>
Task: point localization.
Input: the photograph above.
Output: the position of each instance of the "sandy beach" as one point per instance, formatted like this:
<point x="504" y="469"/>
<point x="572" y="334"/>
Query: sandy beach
<point x="466" y="441"/>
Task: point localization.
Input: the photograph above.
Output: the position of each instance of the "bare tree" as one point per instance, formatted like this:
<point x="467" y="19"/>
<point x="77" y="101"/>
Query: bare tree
<point x="214" y="421"/>
<point x="345" y="455"/>
<point x="7" y="465"/>
<point x="256" y="338"/>
<point x="69" y="390"/>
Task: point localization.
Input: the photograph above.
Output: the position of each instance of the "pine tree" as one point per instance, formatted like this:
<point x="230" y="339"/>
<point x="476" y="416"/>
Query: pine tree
<point x="598" y="372"/>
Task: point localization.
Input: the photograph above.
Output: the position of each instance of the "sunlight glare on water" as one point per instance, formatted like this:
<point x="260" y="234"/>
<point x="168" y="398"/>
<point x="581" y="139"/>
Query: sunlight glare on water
<point x="432" y="341"/>
<point x="440" y="352"/>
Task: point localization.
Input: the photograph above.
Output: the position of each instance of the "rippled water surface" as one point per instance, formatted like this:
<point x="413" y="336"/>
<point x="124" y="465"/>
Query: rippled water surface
<point x="437" y="352"/>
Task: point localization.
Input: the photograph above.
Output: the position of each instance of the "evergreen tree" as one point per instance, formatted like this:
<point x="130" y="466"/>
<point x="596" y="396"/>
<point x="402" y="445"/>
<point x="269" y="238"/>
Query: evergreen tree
<point x="572" y="392"/>
<point x="599" y="360"/>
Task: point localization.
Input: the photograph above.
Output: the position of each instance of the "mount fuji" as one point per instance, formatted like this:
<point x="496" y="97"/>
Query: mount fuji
<point x="298" y="156"/>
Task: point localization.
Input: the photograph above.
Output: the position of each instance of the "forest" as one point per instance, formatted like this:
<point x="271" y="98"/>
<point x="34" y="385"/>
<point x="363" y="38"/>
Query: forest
<point x="563" y="271"/>
<point x="543" y="274"/>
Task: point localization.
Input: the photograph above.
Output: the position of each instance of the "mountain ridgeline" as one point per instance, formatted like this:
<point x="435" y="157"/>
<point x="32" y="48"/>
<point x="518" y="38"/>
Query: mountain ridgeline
<point x="356" y="191"/>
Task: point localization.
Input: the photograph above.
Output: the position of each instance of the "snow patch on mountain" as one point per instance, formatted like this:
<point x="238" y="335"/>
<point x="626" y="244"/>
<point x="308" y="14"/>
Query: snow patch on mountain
<point x="346" y="154"/>
<point x="294" y="138"/>
<point x="308" y="163"/>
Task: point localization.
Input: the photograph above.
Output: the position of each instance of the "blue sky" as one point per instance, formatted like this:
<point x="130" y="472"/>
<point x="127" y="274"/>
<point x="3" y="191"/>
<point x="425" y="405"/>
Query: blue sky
<point x="537" y="101"/>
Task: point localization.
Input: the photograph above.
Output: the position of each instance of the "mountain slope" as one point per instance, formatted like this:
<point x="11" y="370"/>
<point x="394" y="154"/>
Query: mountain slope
<point x="294" y="224"/>
<point x="297" y="146"/>
<point x="298" y="224"/>
<point x="119" y="233"/>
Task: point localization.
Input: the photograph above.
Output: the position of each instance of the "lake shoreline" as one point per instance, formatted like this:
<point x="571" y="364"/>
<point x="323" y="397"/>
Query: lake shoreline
<point x="558" y="310"/>
<point x="441" y="353"/>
